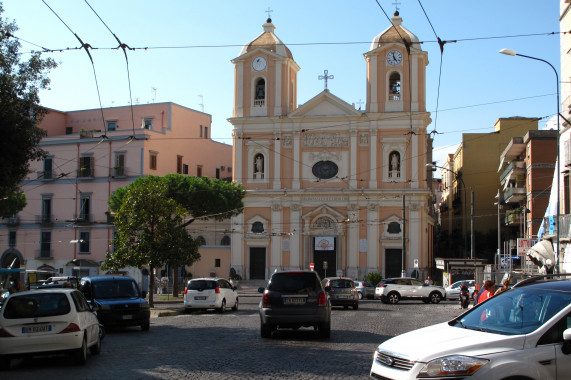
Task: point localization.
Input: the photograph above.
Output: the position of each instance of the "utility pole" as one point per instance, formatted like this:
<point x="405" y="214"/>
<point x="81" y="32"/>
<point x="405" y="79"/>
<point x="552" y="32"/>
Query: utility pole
<point x="472" y="242"/>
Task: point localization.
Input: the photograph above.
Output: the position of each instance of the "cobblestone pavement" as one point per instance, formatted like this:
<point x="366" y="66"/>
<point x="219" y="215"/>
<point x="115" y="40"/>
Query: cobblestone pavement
<point x="209" y="345"/>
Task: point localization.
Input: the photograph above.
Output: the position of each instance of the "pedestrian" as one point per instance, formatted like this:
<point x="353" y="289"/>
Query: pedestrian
<point x="158" y="285"/>
<point x="489" y="290"/>
<point x="476" y="292"/>
<point x="428" y="281"/>
<point x="16" y="287"/>
<point x="505" y="286"/>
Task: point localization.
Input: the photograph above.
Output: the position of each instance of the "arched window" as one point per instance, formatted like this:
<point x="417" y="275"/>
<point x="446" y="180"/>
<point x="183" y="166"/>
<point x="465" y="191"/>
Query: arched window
<point x="394" y="164"/>
<point x="225" y="240"/>
<point x="259" y="166"/>
<point x="260" y="93"/>
<point x="394" y="86"/>
<point x="201" y="240"/>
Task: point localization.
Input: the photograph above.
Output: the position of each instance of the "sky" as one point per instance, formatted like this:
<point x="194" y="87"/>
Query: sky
<point x="183" y="51"/>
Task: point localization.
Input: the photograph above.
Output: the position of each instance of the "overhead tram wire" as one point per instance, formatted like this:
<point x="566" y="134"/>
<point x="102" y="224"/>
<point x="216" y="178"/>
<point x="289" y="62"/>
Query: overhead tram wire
<point x="86" y="47"/>
<point x="124" y="47"/>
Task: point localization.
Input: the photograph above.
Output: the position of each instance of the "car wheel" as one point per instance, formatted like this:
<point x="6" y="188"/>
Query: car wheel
<point x="80" y="354"/>
<point x="356" y="306"/>
<point x="146" y="326"/>
<point x="393" y="298"/>
<point x="265" y="330"/>
<point x="360" y="295"/>
<point x="426" y="300"/>
<point x="101" y="331"/>
<point x="96" y="348"/>
<point x="324" y="330"/>
<point x="235" y="307"/>
<point x="384" y="300"/>
<point x="222" y="307"/>
<point x="4" y="363"/>
<point x="435" y="297"/>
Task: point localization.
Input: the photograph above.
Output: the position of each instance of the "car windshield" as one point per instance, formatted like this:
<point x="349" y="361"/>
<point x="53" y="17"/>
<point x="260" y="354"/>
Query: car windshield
<point x="115" y="289"/>
<point x="201" y="285"/>
<point x="515" y="312"/>
<point x="36" y="305"/>
<point x="341" y="283"/>
<point x="294" y="282"/>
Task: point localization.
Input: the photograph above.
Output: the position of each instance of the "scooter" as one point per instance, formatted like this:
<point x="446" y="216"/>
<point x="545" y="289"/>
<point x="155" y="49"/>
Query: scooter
<point x="464" y="296"/>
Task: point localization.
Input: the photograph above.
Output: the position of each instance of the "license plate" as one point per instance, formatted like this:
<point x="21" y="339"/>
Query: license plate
<point x="294" y="301"/>
<point x="127" y="316"/>
<point x="200" y="298"/>
<point x="344" y="297"/>
<point x="36" y="329"/>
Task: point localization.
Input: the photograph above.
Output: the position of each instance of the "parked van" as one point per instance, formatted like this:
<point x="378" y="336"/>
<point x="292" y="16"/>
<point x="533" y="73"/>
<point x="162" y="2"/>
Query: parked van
<point x="120" y="301"/>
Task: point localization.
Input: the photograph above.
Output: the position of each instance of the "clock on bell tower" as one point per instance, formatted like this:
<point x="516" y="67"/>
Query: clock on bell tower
<point x="396" y="71"/>
<point x="265" y="77"/>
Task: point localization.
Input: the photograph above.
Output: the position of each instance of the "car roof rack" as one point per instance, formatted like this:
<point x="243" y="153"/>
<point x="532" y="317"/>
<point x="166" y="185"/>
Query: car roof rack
<point x="538" y="278"/>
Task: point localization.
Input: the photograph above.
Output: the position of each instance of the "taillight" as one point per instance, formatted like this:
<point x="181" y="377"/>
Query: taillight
<point x="217" y="291"/>
<point x="382" y="286"/>
<point x="322" y="300"/>
<point x="72" y="327"/>
<point x="266" y="301"/>
<point x="185" y="290"/>
<point x="5" y="334"/>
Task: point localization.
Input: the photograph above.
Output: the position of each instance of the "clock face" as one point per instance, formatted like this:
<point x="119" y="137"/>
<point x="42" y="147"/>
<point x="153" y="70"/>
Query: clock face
<point x="394" y="57"/>
<point x="259" y="63"/>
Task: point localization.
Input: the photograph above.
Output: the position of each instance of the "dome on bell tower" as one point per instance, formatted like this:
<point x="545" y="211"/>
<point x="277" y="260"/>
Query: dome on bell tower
<point x="395" y="34"/>
<point x="269" y="41"/>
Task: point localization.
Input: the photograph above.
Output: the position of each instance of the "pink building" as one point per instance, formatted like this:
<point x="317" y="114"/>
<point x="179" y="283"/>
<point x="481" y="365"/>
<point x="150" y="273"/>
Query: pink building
<point x="91" y="153"/>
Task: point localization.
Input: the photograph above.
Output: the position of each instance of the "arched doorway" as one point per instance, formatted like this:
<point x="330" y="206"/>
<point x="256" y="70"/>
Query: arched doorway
<point x="11" y="258"/>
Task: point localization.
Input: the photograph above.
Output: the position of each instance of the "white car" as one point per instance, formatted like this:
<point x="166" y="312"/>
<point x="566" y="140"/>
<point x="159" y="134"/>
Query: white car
<point x="210" y="293"/>
<point x="48" y="322"/>
<point x="522" y="333"/>
<point x="392" y="290"/>
<point x="453" y="291"/>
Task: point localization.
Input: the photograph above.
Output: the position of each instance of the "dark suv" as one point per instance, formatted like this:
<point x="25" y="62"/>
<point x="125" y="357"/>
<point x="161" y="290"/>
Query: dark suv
<point x="293" y="300"/>
<point x="119" y="299"/>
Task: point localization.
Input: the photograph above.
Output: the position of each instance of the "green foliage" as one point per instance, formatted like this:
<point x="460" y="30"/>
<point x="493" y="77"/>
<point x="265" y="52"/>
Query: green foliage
<point x="374" y="278"/>
<point x="20" y="114"/>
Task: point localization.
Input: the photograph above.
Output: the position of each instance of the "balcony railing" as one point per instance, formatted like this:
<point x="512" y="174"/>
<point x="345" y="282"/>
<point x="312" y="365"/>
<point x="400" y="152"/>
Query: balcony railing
<point x="514" y="194"/>
<point x="45" y="175"/>
<point x="44" y="219"/>
<point x="12" y="221"/>
<point x="514" y="217"/>
<point x="86" y="173"/>
<point x="119" y="171"/>
<point x="518" y="167"/>
<point x="83" y="218"/>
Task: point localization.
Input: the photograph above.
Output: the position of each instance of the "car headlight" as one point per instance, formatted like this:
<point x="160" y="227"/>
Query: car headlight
<point x="454" y="365"/>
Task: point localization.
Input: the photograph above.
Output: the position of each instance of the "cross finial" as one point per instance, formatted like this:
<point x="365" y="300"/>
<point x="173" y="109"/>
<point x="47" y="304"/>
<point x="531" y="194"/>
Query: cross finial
<point x="325" y="76"/>
<point x="396" y="4"/>
<point x="268" y="12"/>
<point x="360" y="102"/>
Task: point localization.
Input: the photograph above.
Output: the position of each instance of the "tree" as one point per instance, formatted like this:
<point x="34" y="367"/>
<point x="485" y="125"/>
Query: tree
<point x="142" y="218"/>
<point x="20" y="115"/>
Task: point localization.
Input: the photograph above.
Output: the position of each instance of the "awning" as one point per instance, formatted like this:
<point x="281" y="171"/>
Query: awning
<point x="541" y="252"/>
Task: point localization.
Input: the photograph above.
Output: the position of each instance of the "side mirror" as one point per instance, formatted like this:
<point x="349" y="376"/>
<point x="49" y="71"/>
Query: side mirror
<point x="234" y="288"/>
<point x="95" y="307"/>
<point x="566" y="349"/>
<point x="261" y="290"/>
<point x="327" y="289"/>
<point x="144" y="294"/>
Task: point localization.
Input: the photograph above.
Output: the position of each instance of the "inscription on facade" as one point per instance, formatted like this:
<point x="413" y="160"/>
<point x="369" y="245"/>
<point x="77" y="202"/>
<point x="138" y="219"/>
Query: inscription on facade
<point x="312" y="140"/>
<point x="325" y="199"/>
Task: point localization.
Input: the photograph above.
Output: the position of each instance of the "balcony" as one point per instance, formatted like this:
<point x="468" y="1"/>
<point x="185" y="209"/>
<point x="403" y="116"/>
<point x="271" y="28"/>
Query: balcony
<point x="118" y="172"/>
<point x="83" y="218"/>
<point x="45" y="175"/>
<point x="44" y="219"/>
<point x="513" y="217"/>
<point x="11" y="221"/>
<point x="514" y="169"/>
<point x="514" y="194"/>
<point x="85" y="173"/>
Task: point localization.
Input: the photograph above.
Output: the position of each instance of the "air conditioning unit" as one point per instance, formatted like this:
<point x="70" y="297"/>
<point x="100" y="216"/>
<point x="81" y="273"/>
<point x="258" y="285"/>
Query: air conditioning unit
<point x="223" y="168"/>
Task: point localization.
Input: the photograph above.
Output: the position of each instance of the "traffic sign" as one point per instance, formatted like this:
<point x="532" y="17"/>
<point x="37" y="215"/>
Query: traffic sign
<point x="311" y="266"/>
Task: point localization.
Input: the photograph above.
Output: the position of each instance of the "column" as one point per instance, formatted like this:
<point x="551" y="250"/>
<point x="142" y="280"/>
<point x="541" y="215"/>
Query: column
<point x="277" y="162"/>
<point x="296" y="158"/>
<point x="373" y="224"/>
<point x="415" y="232"/>
<point x="237" y="247"/>
<point x="239" y="144"/>
<point x="276" y="238"/>
<point x="373" y="158"/>
<point x="295" y="248"/>
<point x="239" y="89"/>
<point x="353" y="153"/>
<point x="352" y="241"/>
<point x="373" y="101"/>
<point x="278" y="93"/>
<point x="414" y="157"/>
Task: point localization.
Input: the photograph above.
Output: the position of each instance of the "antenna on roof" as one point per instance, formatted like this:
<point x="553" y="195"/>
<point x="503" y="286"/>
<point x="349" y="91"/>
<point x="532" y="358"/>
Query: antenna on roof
<point x="201" y="104"/>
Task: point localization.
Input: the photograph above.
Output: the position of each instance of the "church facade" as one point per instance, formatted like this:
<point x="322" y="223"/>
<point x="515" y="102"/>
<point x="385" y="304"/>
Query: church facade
<point x="328" y="186"/>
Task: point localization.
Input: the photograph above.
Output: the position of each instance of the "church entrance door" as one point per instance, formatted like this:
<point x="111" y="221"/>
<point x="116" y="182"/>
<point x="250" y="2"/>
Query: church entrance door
<point x="325" y="261"/>
<point x="257" y="263"/>
<point x="393" y="263"/>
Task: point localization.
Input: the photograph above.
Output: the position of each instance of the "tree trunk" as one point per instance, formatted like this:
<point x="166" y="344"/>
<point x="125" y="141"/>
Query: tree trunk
<point x="175" y="282"/>
<point x="151" y="286"/>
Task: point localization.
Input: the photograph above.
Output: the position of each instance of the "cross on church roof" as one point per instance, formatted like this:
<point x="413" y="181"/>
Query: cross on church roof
<point x="325" y="76"/>
<point x="396" y="4"/>
<point x="269" y="11"/>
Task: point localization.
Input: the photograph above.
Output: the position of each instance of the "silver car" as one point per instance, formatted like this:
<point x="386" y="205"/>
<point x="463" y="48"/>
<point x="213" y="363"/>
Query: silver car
<point x="342" y="292"/>
<point x="453" y="291"/>
<point x="392" y="290"/>
<point x="365" y="289"/>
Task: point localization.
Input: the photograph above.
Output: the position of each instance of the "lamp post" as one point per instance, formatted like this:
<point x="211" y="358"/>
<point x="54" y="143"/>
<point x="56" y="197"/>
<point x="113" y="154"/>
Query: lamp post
<point x="458" y="177"/>
<point x="513" y="53"/>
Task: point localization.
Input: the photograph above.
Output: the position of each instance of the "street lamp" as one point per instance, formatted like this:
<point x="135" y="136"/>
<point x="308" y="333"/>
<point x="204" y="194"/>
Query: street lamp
<point x="458" y="177"/>
<point x="513" y="53"/>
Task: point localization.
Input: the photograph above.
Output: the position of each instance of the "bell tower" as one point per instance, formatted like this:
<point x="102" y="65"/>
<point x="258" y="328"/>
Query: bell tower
<point x="265" y="77"/>
<point x="396" y="71"/>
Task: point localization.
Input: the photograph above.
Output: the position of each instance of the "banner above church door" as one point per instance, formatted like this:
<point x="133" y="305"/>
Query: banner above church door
<point x="324" y="243"/>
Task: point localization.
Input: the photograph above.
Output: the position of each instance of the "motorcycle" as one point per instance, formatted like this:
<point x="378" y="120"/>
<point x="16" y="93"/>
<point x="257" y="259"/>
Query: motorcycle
<point x="464" y="296"/>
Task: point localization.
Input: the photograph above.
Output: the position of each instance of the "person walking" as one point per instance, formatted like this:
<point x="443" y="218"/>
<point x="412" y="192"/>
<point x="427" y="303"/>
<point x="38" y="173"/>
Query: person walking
<point x="428" y="281"/>
<point x="505" y="286"/>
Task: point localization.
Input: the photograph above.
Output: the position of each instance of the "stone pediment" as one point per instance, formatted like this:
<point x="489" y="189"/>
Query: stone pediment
<point x="325" y="104"/>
